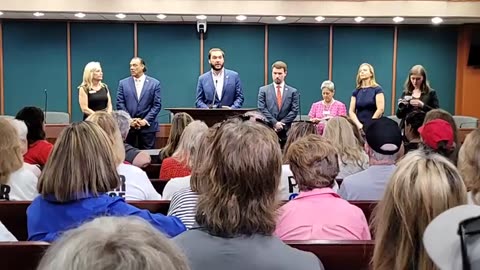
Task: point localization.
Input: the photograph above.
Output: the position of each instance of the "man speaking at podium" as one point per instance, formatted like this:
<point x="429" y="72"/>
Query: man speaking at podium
<point x="219" y="87"/>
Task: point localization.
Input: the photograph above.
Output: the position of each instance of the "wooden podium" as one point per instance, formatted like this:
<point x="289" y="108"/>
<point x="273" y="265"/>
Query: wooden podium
<point x="210" y="116"/>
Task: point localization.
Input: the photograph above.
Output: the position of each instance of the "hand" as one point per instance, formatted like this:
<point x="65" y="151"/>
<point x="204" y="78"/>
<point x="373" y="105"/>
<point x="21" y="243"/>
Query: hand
<point x="360" y="126"/>
<point x="226" y="107"/>
<point x="416" y="103"/>
<point x="279" y="126"/>
<point x="135" y="123"/>
<point x="142" y="122"/>
<point x="315" y="120"/>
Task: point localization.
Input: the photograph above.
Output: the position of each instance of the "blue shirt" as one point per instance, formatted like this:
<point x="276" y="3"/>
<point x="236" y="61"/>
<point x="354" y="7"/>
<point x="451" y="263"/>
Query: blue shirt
<point x="366" y="105"/>
<point x="47" y="218"/>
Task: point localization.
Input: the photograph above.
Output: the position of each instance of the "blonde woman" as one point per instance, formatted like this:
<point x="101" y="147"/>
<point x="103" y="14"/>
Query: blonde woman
<point x="351" y="157"/>
<point x="423" y="186"/>
<point x="367" y="101"/>
<point x="93" y="94"/>
<point x="469" y="165"/>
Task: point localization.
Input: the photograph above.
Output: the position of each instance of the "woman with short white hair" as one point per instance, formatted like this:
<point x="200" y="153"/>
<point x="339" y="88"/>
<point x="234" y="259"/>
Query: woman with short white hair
<point x="22" y="131"/>
<point x="327" y="108"/>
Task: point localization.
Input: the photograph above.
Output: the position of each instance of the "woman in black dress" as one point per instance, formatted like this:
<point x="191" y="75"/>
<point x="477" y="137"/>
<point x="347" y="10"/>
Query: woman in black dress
<point x="93" y="95"/>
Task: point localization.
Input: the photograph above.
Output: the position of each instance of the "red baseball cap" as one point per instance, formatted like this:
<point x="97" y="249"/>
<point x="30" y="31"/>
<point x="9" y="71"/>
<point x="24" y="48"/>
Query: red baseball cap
<point x="436" y="131"/>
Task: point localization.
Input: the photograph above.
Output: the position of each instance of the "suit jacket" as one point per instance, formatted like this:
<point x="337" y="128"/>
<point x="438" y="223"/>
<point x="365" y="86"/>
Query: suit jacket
<point x="430" y="102"/>
<point x="267" y="104"/>
<point x="232" y="93"/>
<point x="146" y="107"/>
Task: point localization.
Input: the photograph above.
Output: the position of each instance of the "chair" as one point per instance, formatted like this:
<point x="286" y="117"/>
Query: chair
<point x="159" y="184"/>
<point x="21" y="255"/>
<point x="57" y="118"/>
<point x="465" y="121"/>
<point x="157" y="207"/>
<point x="13" y="215"/>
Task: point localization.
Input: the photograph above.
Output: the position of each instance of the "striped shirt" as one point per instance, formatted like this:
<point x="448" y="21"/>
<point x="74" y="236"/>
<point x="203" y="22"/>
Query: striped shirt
<point x="184" y="206"/>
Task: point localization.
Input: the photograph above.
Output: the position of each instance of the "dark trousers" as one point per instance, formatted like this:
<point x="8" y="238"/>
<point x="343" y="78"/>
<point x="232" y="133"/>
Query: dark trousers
<point x="141" y="140"/>
<point x="282" y="137"/>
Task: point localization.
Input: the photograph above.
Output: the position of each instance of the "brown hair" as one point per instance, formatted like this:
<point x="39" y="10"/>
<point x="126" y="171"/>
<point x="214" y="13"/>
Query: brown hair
<point x="82" y="161"/>
<point x="280" y="65"/>
<point x="313" y="161"/>
<point x="425" y="88"/>
<point x="356" y="131"/>
<point x="297" y="131"/>
<point x="10" y="151"/>
<point x="241" y="172"/>
<point x="444" y="115"/>
<point x="469" y="164"/>
<point x="215" y="50"/>
<point x="179" y="122"/>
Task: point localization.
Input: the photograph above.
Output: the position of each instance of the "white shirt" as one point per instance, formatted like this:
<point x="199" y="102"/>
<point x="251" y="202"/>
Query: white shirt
<point x="6" y="235"/>
<point x="139" y="82"/>
<point x="218" y="82"/>
<point x="33" y="168"/>
<point x="174" y="185"/>
<point x="134" y="184"/>
<point x="282" y="87"/>
<point x="21" y="186"/>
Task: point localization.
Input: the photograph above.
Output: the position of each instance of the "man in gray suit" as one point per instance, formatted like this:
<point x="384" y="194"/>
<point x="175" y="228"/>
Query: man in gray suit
<point x="279" y="101"/>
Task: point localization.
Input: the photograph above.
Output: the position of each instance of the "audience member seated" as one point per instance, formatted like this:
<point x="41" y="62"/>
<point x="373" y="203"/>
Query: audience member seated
<point x="133" y="155"/>
<point x="134" y="182"/>
<point x="38" y="148"/>
<point x="413" y="121"/>
<point x="314" y="163"/>
<point x="6" y="235"/>
<point x="22" y="131"/>
<point x="17" y="183"/>
<point x="469" y="165"/>
<point x="444" y="115"/>
<point x="383" y="142"/>
<point x="351" y="157"/>
<point x="179" y="122"/>
<point x="424" y="185"/>
<point x="120" y="243"/>
<point x="74" y="187"/>
<point x="179" y="164"/>
<point x="237" y="205"/>
<point x="437" y="136"/>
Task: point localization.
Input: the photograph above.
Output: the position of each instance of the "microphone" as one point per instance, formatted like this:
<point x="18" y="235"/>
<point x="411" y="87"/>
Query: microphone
<point x="46" y="103"/>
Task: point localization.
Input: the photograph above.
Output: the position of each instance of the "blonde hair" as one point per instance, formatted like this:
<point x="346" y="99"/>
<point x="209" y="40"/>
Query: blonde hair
<point x="22" y="131"/>
<point x="423" y="186"/>
<point x="469" y="164"/>
<point x="11" y="159"/>
<point x="88" y="71"/>
<point x="106" y="121"/>
<point x="81" y="162"/>
<point x="340" y="134"/>
<point x="189" y="142"/>
<point x="373" y="82"/>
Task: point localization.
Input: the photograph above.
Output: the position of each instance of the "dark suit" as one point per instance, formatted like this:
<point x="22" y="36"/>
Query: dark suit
<point x="232" y="93"/>
<point x="267" y="104"/>
<point x="147" y="107"/>
<point x="430" y="102"/>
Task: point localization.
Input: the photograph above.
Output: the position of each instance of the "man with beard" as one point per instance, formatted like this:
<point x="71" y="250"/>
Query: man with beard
<point x="219" y="87"/>
<point x="279" y="101"/>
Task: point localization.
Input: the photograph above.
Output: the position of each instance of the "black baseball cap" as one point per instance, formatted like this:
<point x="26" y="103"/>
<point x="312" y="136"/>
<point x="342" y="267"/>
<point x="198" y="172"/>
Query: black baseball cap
<point x="384" y="136"/>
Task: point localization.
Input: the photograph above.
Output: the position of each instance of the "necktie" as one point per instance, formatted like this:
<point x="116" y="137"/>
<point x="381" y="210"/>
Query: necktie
<point x="279" y="97"/>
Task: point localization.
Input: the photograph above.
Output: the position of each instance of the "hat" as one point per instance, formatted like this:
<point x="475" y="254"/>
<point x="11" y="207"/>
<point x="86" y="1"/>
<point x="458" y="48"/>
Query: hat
<point x="436" y="131"/>
<point x="442" y="241"/>
<point x="384" y="136"/>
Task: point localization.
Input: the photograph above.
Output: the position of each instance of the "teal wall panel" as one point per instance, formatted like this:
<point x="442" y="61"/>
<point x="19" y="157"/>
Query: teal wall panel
<point x="35" y="58"/>
<point x="353" y="46"/>
<point x="109" y="44"/>
<point x="305" y="50"/>
<point x="436" y="49"/>
<point x="244" y="52"/>
<point x="172" y="54"/>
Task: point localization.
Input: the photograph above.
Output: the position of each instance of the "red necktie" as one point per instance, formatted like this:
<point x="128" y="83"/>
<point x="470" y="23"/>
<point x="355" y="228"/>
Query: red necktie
<point x="279" y="97"/>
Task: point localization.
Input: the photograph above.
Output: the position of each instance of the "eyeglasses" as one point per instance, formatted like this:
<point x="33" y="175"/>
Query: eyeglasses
<point x="468" y="230"/>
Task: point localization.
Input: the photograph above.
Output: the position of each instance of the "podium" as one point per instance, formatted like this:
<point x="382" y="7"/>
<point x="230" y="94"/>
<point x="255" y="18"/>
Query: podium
<point x="210" y="116"/>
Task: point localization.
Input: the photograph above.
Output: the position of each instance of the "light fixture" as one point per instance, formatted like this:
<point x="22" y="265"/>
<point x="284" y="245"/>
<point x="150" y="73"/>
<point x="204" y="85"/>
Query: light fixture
<point x="80" y="15"/>
<point x="201" y="17"/>
<point x="241" y="18"/>
<point x="121" y="16"/>
<point x="319" y="18"/>
<point x="161" y="16"/>
<point x="437" y="20"/>
<point x="359" y="19"/>
<point x="1" y="13"/>
<point x="38" y="14"/>
<point x="398" y="19"/>
<point x="280" y="18"/>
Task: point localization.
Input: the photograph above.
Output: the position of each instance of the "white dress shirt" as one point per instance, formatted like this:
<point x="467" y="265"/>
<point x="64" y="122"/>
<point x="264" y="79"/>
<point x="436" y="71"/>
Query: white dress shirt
<point x="218" y="82"/>
<point x="139" y="82"/>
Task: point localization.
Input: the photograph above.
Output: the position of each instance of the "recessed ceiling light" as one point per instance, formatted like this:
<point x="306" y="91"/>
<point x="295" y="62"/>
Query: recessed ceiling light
<point x="319" y="18"/>
<point x="121" y="16"/>
<point x="201" y="17"/>
<point x="241" y="18"/>
<point x="38" y="14"/>
<point x="80" y="15"/>
<point x="161" y="16"/>
<point x="359" y="19"/>
<point x="1" y="13"/>
<point x="280" y="18"/>
<point x="398" y="19"/>
<point x="437" y="20"/>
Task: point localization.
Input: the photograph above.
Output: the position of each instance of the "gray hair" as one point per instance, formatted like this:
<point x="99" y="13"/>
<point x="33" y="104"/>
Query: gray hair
<point x="382" y="157"/>
<point x="189" y="142"/>
<point x="121" y="243"/>
<point x="123" y="120"/>
<point x="22" y="131"/>
<point x="329" y="85"/>
<point x="255" y="115"/>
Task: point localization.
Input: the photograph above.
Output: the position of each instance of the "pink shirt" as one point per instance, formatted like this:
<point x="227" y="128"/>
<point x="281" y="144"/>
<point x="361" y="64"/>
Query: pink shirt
<point x="320" y="110"/>
<point x="321" y="214"/>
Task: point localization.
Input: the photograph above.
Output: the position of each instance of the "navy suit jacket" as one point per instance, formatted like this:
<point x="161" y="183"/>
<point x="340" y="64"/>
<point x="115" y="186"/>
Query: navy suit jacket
<point x="146" y="107"/>
<point x="232" y="93"/>
<point x="267" y="104"/>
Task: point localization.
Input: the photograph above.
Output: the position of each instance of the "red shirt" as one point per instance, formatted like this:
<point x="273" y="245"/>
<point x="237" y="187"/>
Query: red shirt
<point x="38" y="152"/>
<point x="171" y="168"/>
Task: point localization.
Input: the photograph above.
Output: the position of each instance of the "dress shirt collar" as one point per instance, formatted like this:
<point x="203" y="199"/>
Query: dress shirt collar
<point x="220" y="74"/>
<point x="141" y="79"/>
<point x="282" y="86"/>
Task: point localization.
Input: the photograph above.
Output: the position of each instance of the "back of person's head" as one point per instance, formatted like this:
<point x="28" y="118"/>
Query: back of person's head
<point x="356" y="131"/>
<point x="413" y="121"/>
<point x="11" y="158"/>
<point x="469" y="163"/>
<point x="297" y="131"/>
<point x="189" y="142"/>
<point x="34" y="118"/>
<point x="241" y="173"/>
<point x="120" y="243"/>
<point x="313" y="161"/>
<point x="444" y="115"/>
<point x="106" y="121"/>
<point x="437" y="136"/>
<point x="123" y="121"/>
<point x="82" y="161"/>
<point x="22" y="132"/>
<point x="424" y="185"/>
<point x="255" y="115"/>
<point x="384" y="140"/>
<point x="179" y="122"/>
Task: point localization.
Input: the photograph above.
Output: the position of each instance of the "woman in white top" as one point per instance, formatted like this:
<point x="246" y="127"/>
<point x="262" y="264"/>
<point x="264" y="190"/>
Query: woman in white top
<point x="469" y="165"/>
<point x="351" y="157"/>
<point x="6" y="235"/>
<point x="134" y="182"/>
<point x="16" y="182"/>
<point x="22" y="131"/>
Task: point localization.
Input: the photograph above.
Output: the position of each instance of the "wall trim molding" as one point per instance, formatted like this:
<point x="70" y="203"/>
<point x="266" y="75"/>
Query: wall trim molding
<point x="69" y="72"/>
<point x="330" y="54"/>
<point x="2" y="89"/>
<point x="265" y="80"/>
<point x="394" y="69"/>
